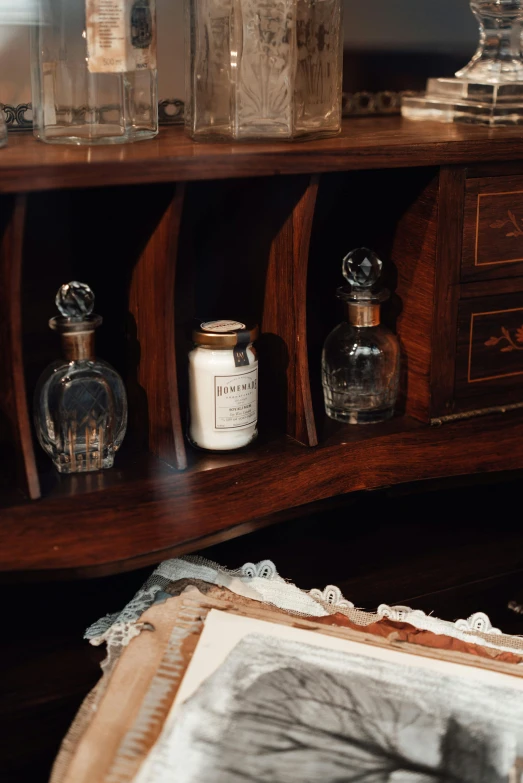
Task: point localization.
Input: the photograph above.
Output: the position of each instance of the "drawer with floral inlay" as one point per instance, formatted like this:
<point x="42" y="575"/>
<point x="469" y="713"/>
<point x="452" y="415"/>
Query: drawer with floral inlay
<point x="493" y="228"/>
<point x="489" y="357"/>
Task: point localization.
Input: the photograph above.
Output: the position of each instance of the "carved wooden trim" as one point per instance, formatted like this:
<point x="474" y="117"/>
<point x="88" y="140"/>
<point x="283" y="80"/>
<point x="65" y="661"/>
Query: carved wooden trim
<point x="494" y="341"/>
<point x="13" y="397"/>
<point x="152" y="306"/>
<point x="511" y="218"/>
<point x="285" y="309"/>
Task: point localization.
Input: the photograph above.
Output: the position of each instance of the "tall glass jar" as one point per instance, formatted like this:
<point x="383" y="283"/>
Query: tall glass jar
<point x="263" y="69"/>
<point x="94" y="71"/>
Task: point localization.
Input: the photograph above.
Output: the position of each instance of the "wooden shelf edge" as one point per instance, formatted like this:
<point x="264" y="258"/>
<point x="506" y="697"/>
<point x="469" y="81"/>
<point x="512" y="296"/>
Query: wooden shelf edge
<point x="138" y="523"/>
<point x="364" y="143"/>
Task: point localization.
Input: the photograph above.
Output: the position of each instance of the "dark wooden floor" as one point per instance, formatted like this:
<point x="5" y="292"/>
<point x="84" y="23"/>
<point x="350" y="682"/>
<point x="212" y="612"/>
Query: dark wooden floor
<point x="446" y="549"/>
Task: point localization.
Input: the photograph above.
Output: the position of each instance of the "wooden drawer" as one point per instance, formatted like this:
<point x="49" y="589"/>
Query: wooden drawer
<point x="493" y="228"/>
<point x="489" y="357"/>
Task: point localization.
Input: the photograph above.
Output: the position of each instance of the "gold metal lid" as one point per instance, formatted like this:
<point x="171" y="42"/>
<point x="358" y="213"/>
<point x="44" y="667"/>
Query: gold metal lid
<point x="224" y="334"/>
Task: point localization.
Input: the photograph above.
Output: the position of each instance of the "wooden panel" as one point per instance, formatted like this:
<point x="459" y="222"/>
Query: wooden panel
<point x="13" y="400"/>
<point x="414" y="254"/>
<point x="364" y="143"/>
<point x="493" y="229"/>
<point x="285" y="312"/>
<point x="450" y="231"/>
<point x="152" y="306"/>
<point x="489" y="362"/>
<point x="142" y="521"/>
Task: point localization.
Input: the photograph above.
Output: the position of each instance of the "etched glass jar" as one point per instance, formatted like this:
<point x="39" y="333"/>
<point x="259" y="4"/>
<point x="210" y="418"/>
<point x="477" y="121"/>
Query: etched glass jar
<point x="80" y="405"/>
<point x="360" y="362"/>
<point x="223" y="386"/>
<point x="94" y="71"/>
<point x="263" y="69"/>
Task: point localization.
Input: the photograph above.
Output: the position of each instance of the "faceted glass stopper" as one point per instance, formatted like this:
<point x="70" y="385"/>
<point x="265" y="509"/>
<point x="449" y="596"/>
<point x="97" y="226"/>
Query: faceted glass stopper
<point x="362" y="268"/>
<point x="75" y="300"/>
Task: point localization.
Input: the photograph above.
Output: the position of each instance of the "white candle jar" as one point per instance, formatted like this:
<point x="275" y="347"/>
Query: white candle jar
<point x="223" y="386"/>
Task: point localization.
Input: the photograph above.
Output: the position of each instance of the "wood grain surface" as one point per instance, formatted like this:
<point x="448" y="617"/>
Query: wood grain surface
<point x="364" y="143"/>
<point x="493" y="228"/>
<point x="489" y="361"/>
<point x="13" y="398"/>
<point x="285" y="311"/>
<point x="138" y="522"/>
<point x="151" y="306"/>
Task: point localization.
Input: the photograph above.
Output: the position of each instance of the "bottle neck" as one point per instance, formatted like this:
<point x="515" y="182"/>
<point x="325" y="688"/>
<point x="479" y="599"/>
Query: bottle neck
<point x="78" y="346"/>
<point x="363" y="314"/>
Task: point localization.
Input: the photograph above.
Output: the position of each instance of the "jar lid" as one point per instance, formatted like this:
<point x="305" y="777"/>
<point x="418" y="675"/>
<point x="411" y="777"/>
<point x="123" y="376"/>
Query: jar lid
<point x="224" y="334"/>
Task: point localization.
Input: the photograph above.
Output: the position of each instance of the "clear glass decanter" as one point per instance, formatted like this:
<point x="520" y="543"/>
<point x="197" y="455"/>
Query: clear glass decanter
<point x="94" y="71"/>
<point x="263" y="69"/>
<point x="360" y="362"/>
<point x="489" y="90"/>
<point x="80" y="407"/>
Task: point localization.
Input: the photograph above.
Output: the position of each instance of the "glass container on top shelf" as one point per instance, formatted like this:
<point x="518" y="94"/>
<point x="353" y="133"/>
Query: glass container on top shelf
<point x="489" y="90"/>
<point x="361" y="357"/>
<point x="94" y="71"/>
<point x="80" y="404"/>
<point x="263" y="69"/>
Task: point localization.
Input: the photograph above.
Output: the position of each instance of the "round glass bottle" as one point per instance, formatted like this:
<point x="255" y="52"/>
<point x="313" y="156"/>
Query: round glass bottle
<point x="223" y="386"/>
<point x="94" y="71"/>
<point x="360" y="362"/>
<point x="80" y="405"/>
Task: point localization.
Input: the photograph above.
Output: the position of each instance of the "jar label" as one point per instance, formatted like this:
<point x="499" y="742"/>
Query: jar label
<point x="236" y="400"/>
<point x="121" y="35"/>
<point x="222" y="327"/>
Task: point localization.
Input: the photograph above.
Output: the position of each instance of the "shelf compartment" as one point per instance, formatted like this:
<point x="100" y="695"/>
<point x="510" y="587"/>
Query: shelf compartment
<point x="244" y="251"/>
<point x="142" y="514"/>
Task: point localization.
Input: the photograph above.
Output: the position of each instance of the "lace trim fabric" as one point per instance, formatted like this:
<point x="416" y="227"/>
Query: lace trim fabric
<point x="261" y="582"/>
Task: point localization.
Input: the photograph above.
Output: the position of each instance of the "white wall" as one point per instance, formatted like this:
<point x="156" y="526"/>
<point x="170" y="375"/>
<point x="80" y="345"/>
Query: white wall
<point x="422" y="25"/>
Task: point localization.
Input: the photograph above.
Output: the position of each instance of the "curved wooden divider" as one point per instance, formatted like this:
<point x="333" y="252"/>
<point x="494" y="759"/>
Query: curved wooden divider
<point x="151" y="302"/>
<point x="13" y="396"/>
<point x="285" y="308"/>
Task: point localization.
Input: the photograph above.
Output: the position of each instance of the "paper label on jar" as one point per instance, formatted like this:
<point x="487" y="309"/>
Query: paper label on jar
<point x="121" y="35"/>
<point x="222" y="327"/>
<point x="236" y="400"/>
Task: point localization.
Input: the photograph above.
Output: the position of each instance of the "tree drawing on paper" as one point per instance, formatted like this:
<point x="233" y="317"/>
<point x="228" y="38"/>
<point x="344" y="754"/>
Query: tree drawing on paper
<point x="304" y="724"/>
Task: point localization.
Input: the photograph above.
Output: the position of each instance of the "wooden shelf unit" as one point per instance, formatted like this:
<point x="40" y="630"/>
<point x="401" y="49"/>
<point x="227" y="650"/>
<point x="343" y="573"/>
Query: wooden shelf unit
<point x="169" y="230"/>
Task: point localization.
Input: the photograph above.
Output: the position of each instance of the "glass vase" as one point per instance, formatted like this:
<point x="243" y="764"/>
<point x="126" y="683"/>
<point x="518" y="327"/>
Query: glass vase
<point x="263" y="69"/>
<point x="94" y="71"/>
<point x="489" y="90"/>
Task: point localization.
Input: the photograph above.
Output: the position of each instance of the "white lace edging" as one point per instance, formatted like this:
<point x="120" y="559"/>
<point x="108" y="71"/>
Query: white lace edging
<point x="261" y="582"/>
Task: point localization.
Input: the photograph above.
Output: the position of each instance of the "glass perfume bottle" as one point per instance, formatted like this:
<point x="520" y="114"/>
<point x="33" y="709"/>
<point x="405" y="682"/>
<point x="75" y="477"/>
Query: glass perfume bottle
<point x="265" y="70"/>
<point x="360" y="362"/>
<point x="94" y="71"/>
<point x="80" y="407"/>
